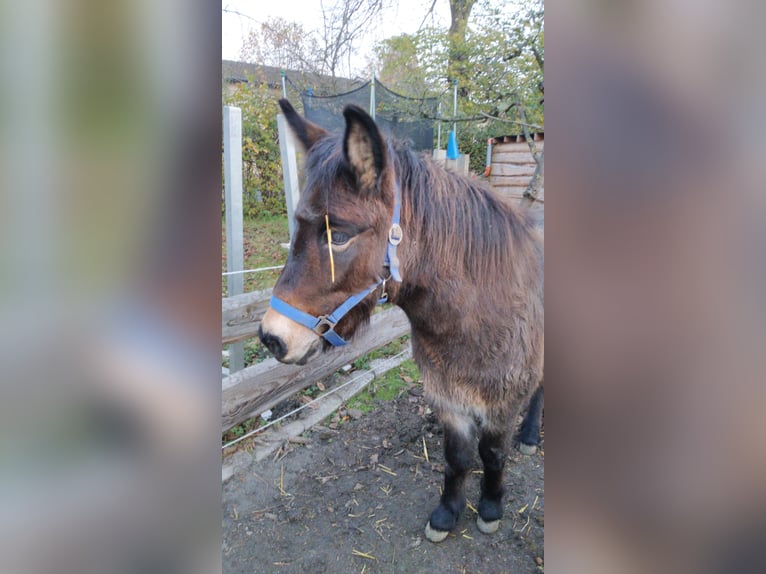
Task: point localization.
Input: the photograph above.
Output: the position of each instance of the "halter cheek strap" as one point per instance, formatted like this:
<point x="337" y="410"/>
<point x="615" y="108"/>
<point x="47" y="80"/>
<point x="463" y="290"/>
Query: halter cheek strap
<point x="395" y="235"/>
<point x="324" y="325"/>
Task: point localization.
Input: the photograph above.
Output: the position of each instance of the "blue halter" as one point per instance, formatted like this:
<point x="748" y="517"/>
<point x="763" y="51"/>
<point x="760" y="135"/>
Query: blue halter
<point x="324" y="325"/>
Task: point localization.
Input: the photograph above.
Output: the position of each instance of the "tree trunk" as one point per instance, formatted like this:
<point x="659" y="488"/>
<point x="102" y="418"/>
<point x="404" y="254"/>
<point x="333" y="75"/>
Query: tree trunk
<point x="533" y="188"/>
<point x="460" y="10"/>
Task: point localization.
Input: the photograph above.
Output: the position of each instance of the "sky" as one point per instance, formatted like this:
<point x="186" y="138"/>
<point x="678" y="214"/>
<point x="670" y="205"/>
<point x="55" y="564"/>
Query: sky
<point x="404" y="17"/>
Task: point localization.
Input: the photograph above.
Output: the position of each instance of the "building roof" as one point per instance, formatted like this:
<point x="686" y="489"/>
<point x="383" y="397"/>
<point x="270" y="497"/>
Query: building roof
<point x="243" y="72"/>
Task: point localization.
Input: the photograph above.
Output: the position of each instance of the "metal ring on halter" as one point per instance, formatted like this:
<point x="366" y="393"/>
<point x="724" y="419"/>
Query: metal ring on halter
<point x="384" y="296"/>
<point x="395" y="234"/>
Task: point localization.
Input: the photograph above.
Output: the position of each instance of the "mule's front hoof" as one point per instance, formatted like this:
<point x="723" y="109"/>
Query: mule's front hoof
<point x="487" y="527"/>
<point x="527" y="448"/>
<point x="435" y="535"/>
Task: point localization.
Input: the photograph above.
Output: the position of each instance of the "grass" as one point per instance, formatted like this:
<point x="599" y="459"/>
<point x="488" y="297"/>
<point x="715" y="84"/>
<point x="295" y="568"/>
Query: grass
<point x="262" y="238"/>
<point x="386" y="388"/>
<point x="394" y="347"/>
<point x="237" y="431"/>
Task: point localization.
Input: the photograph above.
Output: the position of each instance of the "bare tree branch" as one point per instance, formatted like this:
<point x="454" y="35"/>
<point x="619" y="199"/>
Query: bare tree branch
<point x="238" y="13"/>
<point x="430" y="11"/>
<point x="343" y="24"/>
<point x="509" y="121"/>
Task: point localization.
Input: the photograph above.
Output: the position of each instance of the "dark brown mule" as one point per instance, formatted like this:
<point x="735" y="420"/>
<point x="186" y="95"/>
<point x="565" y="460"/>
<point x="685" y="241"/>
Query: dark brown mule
<point x="470" y="266"/>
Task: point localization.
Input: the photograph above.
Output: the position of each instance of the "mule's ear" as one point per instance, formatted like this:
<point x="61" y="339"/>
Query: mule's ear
<point x="307" y="132"/>
<point x="363" y="146"/>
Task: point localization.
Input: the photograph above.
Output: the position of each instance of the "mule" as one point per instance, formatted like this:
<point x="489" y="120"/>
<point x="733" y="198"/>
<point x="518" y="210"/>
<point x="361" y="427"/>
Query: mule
<point x="377" y="222"/>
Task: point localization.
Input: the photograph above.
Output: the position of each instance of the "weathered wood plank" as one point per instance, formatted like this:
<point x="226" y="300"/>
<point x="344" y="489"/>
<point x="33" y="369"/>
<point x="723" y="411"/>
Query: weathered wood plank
<point x="517" y="157"/>
<point x="499" y="181"/>
<point x="241" y="315"/>
<point x="516" y="147"/>
<point x="261" y="386"/>
<point x="503" y="169"/>
<point x="517" y="193"/>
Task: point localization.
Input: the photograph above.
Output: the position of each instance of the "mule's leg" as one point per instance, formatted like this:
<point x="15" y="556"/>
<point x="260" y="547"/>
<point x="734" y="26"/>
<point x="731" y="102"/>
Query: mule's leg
<point x="529" y="431"/>
<point x="492" y="452"/>
<point x="458" y="445"/>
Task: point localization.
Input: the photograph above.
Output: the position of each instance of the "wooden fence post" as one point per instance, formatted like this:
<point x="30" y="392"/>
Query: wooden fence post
<point x="232" y="166"/>
<point x="289" y="170"/>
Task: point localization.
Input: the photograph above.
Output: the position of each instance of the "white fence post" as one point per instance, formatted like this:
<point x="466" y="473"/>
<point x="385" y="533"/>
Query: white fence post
<point x="232" y="167"/>
<point x="289" y="170"/>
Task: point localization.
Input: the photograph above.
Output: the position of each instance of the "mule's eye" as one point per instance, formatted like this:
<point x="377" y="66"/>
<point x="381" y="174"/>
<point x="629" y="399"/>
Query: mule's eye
<point x="340" y="238"/>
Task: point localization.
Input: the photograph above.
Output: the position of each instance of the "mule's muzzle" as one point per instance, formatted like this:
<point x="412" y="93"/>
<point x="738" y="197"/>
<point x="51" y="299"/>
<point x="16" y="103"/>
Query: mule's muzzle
<point x="273" y="343"/>
<point x="288" y="341"/>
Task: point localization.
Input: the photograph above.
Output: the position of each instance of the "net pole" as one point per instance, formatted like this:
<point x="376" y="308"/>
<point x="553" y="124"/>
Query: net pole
<point x="454" y="106"/>
<point x="284" y="87"/>
<point x="372" y="97"/>
<point x="439" y="127"/>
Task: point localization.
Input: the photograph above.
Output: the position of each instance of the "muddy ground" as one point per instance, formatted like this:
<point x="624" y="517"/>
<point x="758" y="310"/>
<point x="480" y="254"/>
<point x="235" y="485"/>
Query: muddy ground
<point x="356" y="498"/>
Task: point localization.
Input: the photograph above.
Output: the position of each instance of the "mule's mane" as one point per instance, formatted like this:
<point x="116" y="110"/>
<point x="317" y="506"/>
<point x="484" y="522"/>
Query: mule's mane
<point x="461" y="225"/>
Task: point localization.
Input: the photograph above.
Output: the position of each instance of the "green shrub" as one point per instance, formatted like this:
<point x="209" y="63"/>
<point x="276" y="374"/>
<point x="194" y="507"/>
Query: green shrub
<point x="263" y="191"/>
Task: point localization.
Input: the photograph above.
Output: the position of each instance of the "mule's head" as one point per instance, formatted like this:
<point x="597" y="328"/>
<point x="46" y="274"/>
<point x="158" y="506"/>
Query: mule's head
<point x="349" y="179"/>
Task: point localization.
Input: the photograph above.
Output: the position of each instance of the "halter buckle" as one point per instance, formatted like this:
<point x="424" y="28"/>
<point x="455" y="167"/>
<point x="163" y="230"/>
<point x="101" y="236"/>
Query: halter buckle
<point x="395" y="234"/>
<point x="323" y="325"/>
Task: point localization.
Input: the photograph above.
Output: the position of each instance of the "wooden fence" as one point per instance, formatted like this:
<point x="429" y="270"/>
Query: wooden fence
<point x="257" y="388"/>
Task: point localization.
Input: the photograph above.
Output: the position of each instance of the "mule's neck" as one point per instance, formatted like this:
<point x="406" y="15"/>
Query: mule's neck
<point x="456" y="232"/>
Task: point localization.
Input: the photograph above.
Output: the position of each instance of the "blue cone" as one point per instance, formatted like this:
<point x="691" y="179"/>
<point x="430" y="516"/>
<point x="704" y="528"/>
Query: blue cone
<point x="452" y="152"/>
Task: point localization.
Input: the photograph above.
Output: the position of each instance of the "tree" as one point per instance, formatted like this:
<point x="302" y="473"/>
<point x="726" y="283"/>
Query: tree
<point x="494" y="48"/>
<point x="282" y="44"/>
<point x="403" y="63"/>
<point x="344" y="23"/>
<point x="460" y="10"/>
<point x="288" y="45"/>
<point x="499" y="71"/>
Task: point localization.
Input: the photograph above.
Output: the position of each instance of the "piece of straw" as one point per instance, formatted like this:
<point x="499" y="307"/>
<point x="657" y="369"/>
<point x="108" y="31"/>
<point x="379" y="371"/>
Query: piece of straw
<point x="329" y="246"/>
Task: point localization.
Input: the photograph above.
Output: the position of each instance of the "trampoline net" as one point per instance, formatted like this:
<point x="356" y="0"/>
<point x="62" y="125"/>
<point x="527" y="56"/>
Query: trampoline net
<point x="404" y="117"/>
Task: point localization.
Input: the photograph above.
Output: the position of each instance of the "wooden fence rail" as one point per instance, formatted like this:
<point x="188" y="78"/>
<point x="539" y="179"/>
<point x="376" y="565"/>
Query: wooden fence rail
<point x="241" y="315"/>
<point x="259" y="387"/>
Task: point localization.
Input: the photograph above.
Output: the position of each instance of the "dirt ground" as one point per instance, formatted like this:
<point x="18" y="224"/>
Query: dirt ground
<point x="356" y="500"/>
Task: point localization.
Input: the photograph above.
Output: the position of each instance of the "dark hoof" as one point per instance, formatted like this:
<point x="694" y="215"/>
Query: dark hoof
<point x="527" y="448"/>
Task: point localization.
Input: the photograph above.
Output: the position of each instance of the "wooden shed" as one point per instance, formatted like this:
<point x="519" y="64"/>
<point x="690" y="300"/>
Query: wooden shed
<point x="512" y="164"/>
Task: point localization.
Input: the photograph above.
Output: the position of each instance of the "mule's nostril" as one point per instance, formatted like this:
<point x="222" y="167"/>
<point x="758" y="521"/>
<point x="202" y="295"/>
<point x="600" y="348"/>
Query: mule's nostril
<point x="273" y="344"/>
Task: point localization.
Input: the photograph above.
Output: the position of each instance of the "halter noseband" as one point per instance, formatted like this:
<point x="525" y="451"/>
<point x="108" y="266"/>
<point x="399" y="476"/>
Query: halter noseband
<point x="324" y="325"/>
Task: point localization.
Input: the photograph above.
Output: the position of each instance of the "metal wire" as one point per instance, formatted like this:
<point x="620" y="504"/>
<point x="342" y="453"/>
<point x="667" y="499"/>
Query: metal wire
<point x="252" y="270"/>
